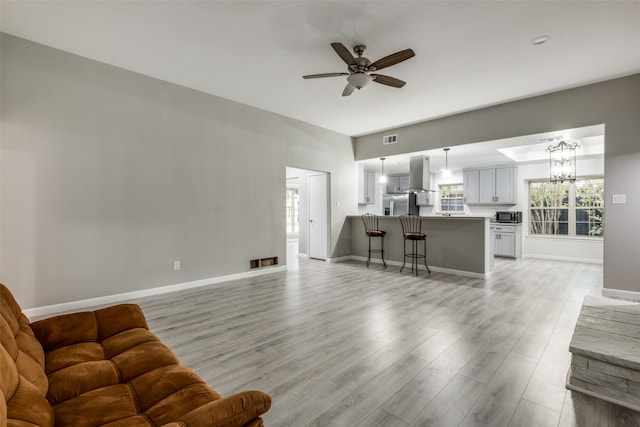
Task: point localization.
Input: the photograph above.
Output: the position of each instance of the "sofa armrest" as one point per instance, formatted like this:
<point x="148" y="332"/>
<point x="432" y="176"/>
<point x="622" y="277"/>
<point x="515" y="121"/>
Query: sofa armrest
<point x="235" y="410"/>
<point x="87" y="326"/>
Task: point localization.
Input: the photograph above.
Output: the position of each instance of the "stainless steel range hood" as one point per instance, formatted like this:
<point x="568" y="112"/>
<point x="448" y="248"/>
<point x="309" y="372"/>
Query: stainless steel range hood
<point x="419" y="174"/>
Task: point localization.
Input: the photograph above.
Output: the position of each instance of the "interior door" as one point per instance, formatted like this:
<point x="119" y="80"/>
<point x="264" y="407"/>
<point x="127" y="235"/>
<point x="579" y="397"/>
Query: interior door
<point x="318" y="216"/>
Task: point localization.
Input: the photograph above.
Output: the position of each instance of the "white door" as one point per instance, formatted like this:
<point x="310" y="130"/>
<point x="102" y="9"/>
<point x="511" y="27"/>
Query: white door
<point x="318" y="216"/>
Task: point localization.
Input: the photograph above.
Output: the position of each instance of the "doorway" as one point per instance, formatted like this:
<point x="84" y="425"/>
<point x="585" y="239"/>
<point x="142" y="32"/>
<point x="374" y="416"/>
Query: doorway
<point x="311" y="216"/>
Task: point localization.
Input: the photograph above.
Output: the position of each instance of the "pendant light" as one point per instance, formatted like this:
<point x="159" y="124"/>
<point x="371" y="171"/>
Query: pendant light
<point x="446" y="173"/>
<point x="562" y="162"/>
<point x="383" y="177"/>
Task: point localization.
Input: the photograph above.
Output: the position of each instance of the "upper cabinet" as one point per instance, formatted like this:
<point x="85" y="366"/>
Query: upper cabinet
<point x="490" y="186"/>
<point x="427" y="198"/>
<point x="366" y="186"/>
<point x="471" y="186"/>
<point x="397" y="184"/>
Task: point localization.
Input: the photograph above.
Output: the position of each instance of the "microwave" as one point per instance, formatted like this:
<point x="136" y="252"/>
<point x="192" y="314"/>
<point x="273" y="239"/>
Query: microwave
<point x="509" y="216"/>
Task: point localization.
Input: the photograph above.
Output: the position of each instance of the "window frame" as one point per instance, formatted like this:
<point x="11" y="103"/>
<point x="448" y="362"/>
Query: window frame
<point x="572" y="208"/>
<point x="441" y="194"/>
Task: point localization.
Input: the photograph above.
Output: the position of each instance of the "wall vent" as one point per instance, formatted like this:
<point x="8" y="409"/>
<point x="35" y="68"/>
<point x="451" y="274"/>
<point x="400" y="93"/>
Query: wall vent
<point x="390" y="139"/>
<point x="263" y="262"/>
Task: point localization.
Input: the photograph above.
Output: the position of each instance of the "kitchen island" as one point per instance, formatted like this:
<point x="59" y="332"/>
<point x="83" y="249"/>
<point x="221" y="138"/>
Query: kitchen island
<point x="455" y="244"/>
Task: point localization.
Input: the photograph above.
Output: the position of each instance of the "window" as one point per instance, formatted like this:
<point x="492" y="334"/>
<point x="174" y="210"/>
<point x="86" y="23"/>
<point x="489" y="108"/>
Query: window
<point x="451" y="198"/>
<point x="589" y="207"/>
<point x="569" y="209"/>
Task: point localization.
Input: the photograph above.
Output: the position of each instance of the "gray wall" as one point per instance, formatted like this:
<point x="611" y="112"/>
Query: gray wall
<point x="616" y="103"/>
<point x="107" y="176"/>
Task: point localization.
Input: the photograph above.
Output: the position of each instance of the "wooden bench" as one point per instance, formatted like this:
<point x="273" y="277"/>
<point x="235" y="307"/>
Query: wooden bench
<point x="605" y="347"/>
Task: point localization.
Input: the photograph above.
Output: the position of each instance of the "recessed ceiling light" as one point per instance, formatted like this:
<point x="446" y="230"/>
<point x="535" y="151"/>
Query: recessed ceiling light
<point x="540" y="40"/>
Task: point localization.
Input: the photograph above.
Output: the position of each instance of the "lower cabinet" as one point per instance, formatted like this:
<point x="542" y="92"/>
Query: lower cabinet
<point x="508" y="240"/>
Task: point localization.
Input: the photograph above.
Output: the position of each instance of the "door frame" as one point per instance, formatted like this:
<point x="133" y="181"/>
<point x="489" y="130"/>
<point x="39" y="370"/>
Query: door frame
<point x="304" y="231"/>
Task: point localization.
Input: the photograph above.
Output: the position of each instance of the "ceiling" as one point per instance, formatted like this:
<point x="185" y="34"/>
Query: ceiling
<point x="469" y="54"/>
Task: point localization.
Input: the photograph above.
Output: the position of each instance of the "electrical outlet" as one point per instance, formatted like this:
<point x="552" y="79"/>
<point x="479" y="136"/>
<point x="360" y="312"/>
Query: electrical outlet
<point x="176" y="265"/>
<point x="619" y="199"/>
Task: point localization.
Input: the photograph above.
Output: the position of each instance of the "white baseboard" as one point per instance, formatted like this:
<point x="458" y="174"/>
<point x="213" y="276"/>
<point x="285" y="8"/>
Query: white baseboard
<point x="621" y="294"/>
<point x="50" y="310"/>
<point x="562" y="258"/>
<point x="341" y="259"/>
<point x="432" y="268"/>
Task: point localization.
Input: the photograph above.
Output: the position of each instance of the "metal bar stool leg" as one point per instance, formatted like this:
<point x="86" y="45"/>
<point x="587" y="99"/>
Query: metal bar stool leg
<point x="382" y="251"/>
<point x="369" y="257"/>
<point x="425" y="256"/>
<point x="404" y="249"/>
<point x="415" y="255"/>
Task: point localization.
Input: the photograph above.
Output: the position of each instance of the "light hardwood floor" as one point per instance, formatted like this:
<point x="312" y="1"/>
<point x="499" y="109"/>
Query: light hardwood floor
<point x="342" y="345"/>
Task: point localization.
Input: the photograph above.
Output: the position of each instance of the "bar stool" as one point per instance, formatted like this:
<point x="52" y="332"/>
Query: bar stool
<point x="371" y="229"/>
<point x="412" y="232"/>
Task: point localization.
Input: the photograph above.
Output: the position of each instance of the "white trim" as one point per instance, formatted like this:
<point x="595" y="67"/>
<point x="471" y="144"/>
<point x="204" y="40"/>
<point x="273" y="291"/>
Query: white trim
<point x="342" y="259"/>
<point x="621" y="294"/>
<point x="49" y="310"/>
<point x="563" y="237"/>
<point x="564" y="258"/>
<point x="432" y="268"/>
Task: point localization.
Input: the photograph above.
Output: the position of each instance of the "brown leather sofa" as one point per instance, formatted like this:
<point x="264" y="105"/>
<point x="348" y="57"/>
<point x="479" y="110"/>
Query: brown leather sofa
<point x="104" y="368"/>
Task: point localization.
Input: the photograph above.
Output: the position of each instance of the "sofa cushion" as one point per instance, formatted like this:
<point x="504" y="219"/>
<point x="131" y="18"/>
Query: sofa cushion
<point x="23" y="383"/>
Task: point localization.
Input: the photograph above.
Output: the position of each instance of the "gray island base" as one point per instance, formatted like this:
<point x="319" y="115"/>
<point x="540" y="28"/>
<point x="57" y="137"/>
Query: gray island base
<point x="456" y="245"/>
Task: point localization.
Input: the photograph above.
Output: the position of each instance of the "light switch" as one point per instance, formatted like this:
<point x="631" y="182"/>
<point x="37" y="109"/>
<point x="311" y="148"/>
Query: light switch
<point x="619" y="199"/>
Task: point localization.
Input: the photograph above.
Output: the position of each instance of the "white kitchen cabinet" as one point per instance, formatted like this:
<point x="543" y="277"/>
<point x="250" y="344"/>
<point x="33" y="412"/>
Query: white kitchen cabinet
<point x="366" y="186"/>
<point x="490" y="186"/>
<point x="426" y="198"/>
<point x="471" y="186"/>
<point x="397" y="184"/>
<point x="506" y="185"/>
<point x="486" y="186"/>
<point x="508" y="240"/>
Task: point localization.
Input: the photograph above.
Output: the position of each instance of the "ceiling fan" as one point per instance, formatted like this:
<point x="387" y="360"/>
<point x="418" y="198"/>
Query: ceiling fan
<point x="359" y="68"/>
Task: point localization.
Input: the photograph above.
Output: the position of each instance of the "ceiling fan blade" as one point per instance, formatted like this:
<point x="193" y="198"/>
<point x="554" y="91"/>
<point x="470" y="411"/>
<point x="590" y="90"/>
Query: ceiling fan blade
<point x="318" y="76"/>
<point x="386" y="80"/>
<point x="348" y="90"/>
<point x="392" y="59"/>
<point x="344" y="53"/>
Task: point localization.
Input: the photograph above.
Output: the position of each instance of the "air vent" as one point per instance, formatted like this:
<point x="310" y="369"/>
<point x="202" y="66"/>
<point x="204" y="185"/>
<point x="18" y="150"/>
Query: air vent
<point x="389" y="139"/>
<point x="263" y="262"/>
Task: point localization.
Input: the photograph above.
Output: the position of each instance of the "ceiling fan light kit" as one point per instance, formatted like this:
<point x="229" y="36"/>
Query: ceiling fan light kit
<point x="360" y="68"/>
<point x="359" y="80"/>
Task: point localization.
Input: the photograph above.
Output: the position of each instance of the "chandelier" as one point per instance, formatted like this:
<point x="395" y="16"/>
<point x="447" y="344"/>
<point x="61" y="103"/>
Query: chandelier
<point x="562" y="161"/>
